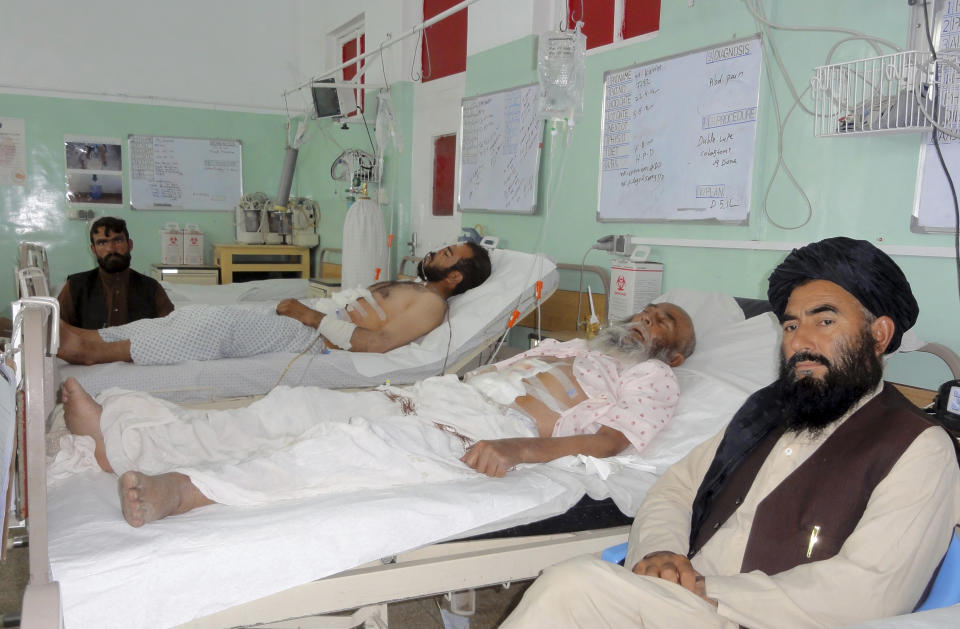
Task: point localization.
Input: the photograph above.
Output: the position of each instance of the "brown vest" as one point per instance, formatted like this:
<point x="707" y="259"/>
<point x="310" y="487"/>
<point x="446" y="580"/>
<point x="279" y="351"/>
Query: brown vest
<point x="830" y="489"/>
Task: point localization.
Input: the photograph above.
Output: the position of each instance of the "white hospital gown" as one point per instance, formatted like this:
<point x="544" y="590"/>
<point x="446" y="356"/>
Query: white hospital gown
<point x="638" y="399"/>
<point x="306" y="441"/>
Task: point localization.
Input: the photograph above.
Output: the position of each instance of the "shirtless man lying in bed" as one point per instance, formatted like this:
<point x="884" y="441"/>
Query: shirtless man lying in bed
<point x="378" y="319"/>
<point x="598" y="399"/>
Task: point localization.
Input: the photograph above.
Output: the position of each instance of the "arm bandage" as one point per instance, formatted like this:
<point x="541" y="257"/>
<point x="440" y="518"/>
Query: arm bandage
<point x="336" y="331"/>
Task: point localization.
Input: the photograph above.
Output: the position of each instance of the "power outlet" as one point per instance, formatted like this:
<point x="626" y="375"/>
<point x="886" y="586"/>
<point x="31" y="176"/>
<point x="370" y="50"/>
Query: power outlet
<point x="75" y="214"/>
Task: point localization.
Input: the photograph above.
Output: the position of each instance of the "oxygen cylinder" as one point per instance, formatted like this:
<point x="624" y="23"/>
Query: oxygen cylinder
<point x="364" y="259"/>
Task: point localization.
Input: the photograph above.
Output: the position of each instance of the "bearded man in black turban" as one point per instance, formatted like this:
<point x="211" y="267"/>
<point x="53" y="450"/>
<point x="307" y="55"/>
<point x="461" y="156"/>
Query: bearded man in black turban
<point x="828" y="499"/>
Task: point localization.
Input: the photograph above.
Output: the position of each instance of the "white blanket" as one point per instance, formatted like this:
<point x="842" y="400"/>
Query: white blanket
<point x="301" y="442"/>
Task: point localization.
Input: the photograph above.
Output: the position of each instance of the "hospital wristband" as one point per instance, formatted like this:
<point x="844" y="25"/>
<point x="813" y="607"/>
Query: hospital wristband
<point x="336" y="331"/>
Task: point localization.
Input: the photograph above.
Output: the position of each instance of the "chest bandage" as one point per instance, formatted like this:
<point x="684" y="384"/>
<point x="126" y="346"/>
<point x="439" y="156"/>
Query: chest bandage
<point x="349" y="300"/>
<point x="520" y="378"/>
<point x="535" y="389"/>
<point x="339" y="329"/>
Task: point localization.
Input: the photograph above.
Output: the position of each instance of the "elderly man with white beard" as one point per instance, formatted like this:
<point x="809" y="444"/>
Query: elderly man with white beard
<point x="600" y="398"/>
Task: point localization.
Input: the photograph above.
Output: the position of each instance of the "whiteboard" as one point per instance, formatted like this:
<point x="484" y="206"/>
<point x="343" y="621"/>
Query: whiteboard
<point x="500" y="139"/>
<point x="169" y="173"/>
<point x="678" y="136"/>
<point x="933" y="203"/>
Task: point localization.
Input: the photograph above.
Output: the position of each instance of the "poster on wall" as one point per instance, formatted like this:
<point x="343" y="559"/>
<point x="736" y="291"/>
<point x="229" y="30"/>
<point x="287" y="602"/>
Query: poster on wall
<point x="94" y="170"/>
<point x="13" y="155"/>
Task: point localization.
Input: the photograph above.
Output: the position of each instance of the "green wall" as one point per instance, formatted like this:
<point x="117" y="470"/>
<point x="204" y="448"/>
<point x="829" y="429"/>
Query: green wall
<point x="37" y="212"/>
<point x="859" y="186"/>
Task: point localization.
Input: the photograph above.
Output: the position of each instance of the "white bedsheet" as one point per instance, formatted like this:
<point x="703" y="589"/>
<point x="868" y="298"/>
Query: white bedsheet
<point x="474" y="318"/>
<point x="237" y="292"/>
<point x="213" y="558"/>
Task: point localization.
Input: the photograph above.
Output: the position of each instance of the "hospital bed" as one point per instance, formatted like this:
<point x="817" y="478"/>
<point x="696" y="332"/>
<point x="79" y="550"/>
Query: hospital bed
<point x="476" y="319"/>
<point x="228" y="567"/>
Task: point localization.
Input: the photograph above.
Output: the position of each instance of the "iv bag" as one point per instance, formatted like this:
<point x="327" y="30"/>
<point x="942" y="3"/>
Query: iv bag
<point x="386" y="125"/>
<point x="561" y="61"/>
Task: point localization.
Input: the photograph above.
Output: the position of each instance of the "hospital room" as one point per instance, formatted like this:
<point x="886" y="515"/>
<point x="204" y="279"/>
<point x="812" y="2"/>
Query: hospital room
<point x="405" y="270"/>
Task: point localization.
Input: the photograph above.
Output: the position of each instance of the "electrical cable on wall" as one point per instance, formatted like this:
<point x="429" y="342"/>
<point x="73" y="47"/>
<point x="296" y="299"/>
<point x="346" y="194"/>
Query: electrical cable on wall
<point x="781" y="126"/>
<point x="755" y="7"/>
<point x="928" y="27"/>
<point x="933" y="69"/>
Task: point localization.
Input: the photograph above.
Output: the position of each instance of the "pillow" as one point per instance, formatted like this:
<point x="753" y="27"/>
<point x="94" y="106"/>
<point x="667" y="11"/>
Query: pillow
<point x="708" y="310"/>
<point x="731" y="362"/>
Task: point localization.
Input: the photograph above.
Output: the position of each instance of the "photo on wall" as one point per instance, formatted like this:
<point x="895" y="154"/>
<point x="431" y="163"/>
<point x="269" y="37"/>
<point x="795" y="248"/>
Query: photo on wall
<point x="94" y="170"/>
<point x="83" y="187"/>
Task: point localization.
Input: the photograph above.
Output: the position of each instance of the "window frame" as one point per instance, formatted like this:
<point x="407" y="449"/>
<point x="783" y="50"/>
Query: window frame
<point x="353" y="33"/>
<point x="619" y="13"/>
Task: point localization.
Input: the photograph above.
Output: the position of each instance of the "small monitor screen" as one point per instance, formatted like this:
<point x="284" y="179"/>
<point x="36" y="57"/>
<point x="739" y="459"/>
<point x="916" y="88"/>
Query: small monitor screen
<point x="325" y="102"/>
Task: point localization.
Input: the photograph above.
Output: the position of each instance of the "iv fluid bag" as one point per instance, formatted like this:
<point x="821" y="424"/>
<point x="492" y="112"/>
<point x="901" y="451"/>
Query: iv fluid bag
<point x="386" y="130"/>
<point x="561" y="61"/>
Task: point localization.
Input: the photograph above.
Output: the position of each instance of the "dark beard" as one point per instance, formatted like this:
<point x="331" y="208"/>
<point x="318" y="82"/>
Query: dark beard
<point x="114" y="262"/>
<point x="430" y="273"/>
<point x="810" y="404"/>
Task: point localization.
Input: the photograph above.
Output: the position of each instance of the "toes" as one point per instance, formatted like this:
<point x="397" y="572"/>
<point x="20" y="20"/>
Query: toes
<point x="130" y="503"/>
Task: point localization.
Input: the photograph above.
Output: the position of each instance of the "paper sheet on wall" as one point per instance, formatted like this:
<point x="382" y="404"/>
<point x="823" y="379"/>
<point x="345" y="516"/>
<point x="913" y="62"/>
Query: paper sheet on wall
<point x="500" y="141"/>
<point x="13" y="154"/>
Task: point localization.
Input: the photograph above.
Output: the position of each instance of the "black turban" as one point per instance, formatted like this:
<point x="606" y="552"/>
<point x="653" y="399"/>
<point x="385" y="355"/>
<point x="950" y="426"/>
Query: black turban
<point x="860" y="269"/>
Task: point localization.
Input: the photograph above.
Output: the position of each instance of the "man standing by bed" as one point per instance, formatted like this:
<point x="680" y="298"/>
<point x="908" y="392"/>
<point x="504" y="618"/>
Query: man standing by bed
<point x="113" y="293"/>
<point x="556" y="400"/>
<point x="378" y="319"/>
<point x="828" y="500"/>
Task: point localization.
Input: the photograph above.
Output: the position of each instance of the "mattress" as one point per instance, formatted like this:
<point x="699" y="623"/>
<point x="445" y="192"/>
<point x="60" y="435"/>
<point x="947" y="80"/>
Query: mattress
<point x="474" y="318"/>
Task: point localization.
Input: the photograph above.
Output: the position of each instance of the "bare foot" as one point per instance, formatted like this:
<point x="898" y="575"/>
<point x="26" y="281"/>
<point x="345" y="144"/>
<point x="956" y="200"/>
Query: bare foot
<point x="145" y="498"/>
<point x="82" y="416"/>
<point x="86" y="347"/>
<point x="73" y="346"/>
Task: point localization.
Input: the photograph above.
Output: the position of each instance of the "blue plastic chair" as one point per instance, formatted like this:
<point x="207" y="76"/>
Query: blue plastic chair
<point x="944" y="592"/>
<point x="946" y="588"/>
<point x="615" y="554"/>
